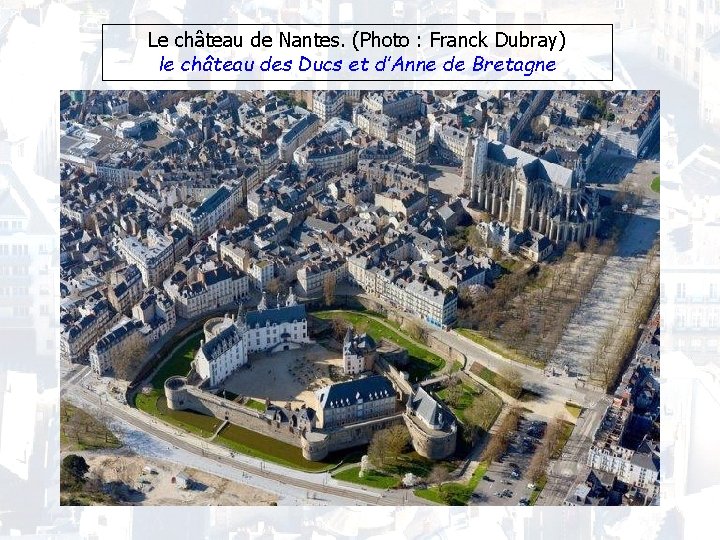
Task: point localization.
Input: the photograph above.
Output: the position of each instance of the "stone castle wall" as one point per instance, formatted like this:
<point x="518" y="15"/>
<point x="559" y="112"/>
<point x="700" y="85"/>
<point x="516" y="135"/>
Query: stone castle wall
<point x="315" y="445"/>
<point x="432" y="445"/>
<point x="184" y="396"/>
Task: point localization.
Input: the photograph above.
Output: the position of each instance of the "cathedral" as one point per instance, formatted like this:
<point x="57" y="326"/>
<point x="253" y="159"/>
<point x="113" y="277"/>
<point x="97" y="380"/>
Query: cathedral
<point x="528" y="192"/>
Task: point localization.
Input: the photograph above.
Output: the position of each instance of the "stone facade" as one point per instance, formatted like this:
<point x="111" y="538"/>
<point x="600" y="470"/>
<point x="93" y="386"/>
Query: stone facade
<point x="286" y="426"/>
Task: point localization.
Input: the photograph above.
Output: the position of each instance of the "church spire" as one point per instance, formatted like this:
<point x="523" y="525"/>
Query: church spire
<point x="263" y="303"/>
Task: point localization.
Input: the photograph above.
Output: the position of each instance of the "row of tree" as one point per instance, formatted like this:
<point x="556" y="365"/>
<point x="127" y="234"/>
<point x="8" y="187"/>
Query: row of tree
<point x="618" y="341"/>
<point x="549" y="447"/>
<point x="500" y="440"/>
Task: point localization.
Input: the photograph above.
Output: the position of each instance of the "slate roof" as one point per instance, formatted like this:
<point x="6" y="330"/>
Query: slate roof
<point x="429" y="410"/>
<point x="646" y="457"/>
<point x="117" y="334"/>
<point x="219" y="344"/>
<point x="534" y="167"/>
<point x="348" y="393"/>
<point x="276" y="315"/>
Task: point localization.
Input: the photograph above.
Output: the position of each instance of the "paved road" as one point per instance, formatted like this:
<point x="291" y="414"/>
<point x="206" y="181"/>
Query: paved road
<point x="563" y="473"/>
<point x="560" y="389"/>
<point x="319" y="488"/>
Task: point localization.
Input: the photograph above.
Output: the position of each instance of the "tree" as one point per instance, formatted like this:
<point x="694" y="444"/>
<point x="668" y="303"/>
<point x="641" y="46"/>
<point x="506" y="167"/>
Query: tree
<point x="239" y="216"/>
<point x="454" y="392"/>
<point x="438" y="475"/>
<point x="539" y="463"/>
<point x="511" y="382"/>
<point x="479" y="414"/>
<point x="414" y="330"/>
<point x="572" y="249"/>
<point x="475" y="239"/>
<point x="387" y="445"/>
<point x="73" y="469"/>
<point x="339" y="328"/>
<point x="636" y="279"/>
<point x="73" y="427"/>
<point x="128" y="359"/>
<point x="553" y="436"/>
<point x="501" y="438"/>
<point x="329" y="283"/>
<point x="275" y="286"/>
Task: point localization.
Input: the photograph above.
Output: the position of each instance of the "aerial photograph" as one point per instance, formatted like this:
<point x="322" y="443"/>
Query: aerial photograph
<point x="346" y="297"/>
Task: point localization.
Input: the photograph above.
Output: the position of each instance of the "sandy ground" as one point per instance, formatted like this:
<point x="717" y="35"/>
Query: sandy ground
<point x="159" y="490"/>
<point x="287" y="375"/>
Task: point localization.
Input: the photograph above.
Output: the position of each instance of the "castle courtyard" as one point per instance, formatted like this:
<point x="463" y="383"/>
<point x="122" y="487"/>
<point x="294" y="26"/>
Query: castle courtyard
<point x="287" y="376"/>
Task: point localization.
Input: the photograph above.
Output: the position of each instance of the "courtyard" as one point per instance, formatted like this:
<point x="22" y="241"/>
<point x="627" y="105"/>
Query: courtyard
<point x="287" y="376"/>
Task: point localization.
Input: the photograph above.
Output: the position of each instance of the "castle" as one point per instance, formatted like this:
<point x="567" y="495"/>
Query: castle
<point x="228" y="341"/>
<point x="342" y="415"/>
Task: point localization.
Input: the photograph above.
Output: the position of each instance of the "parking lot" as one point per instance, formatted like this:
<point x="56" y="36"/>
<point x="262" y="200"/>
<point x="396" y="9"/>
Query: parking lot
<point x="505" y="483"/>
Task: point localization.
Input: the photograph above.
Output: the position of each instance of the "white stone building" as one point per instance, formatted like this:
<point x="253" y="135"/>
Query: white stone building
<point x="279" y="328"/>
<point x="327" y="104"/>
<point x="222" y="354"/>
<point x="227" y="344"/>
<point x="358" y="353"/>
<point x="209" y="290"/>
<point x="154" y="258"/>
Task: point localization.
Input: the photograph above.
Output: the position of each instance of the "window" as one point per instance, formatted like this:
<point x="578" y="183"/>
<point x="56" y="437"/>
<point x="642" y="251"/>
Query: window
<point x="680" y="291"/>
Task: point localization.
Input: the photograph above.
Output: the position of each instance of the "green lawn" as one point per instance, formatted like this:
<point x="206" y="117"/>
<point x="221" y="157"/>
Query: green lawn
<point x="454" y="493"/>
<point x="81" y="431"/>
<point x="539" y="485"/>
<point x="375" y="479"/>
<point x="154" y="403"/>
<point x="489" y="403"/>
<point x="573" y="409"/>
<point x="496" y="380"/>
<point x="567" y="429"/>
<point x="423" y="361"/>
<point x="504" y="351"/>
<point x="179" y="362"/>
<point x="261" y="446"/>
<point x="655" y="184"/>
<point x="255" y="404"/>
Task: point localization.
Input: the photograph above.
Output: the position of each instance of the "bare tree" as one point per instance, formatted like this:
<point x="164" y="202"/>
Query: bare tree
<point x="512" y="382"/>
<point x="454" y="392"/>
<point x="414" y="330"/>
<point x="129" y="358"/>
<point x="74" y="428"/>
<point x="329" y="283"/>
<point x="275" y="286"/>
<point x="239" y="216"/>
<point x="479" y="414"/>
<point x="539" y="463"/>
<point x="339" y="328"/>
<point x="387" y="445"/>
<point x="438" y="475"/>
<point x="636" y="279"/>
